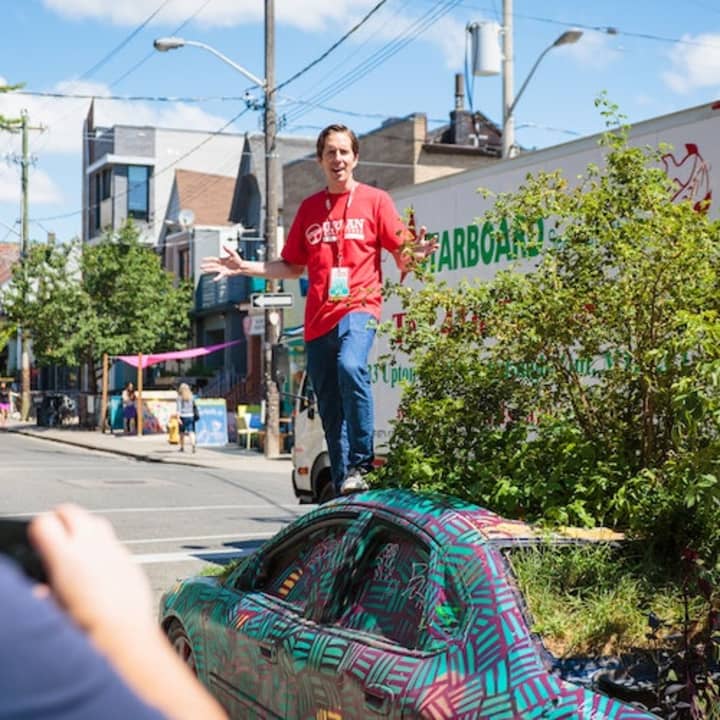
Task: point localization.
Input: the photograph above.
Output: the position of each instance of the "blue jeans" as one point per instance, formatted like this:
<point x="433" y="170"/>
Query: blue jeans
<point x="338" y="367"/>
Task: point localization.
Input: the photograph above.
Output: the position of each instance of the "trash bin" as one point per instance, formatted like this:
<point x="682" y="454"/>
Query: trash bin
<point x="44" y="411"/>
<point x="48" y="412"/>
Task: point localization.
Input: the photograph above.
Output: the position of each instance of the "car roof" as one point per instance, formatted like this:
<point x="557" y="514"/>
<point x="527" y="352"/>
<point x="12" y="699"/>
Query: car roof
<point x="436" y="513"/>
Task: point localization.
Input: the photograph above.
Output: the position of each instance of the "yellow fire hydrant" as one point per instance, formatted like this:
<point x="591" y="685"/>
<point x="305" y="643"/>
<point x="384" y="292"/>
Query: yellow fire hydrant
<point x="173" y="428"/>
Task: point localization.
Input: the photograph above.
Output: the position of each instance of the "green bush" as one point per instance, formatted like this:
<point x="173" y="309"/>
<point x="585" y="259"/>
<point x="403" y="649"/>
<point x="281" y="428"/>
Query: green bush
<point x="585" y="390"/>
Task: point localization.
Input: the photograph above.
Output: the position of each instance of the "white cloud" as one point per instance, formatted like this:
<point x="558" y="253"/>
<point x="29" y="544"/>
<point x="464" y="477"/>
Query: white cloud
<point x="42" y="189"/>
<point x="694" y="65"/>
<point x="311" y="15"/>
<point x="62" y="118"/>
<point x="307" y="14"/>
<point x="594" y="49"/>
<point x="449" y="35"/>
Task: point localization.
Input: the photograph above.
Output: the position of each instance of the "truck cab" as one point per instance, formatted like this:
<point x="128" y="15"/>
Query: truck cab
<point x="311" y="477"/>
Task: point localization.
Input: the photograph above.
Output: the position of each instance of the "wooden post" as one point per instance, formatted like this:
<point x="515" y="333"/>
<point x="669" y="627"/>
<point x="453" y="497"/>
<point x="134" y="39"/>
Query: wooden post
<point x="139" y="405"/>
<point x="104" y="402"/>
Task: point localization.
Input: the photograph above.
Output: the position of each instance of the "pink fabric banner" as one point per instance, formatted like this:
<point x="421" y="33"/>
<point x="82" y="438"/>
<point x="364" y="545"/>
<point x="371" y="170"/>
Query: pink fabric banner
<point x="155" y="358"/>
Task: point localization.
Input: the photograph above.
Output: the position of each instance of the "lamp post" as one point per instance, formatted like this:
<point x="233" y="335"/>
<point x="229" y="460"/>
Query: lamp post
<point x="509" y="102"/>
<point x="272" y="325"/>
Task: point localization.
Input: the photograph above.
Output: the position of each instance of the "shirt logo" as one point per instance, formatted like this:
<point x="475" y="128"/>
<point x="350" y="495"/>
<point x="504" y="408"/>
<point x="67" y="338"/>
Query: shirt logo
<point x="314" y="234"/>
<point x="329" y="230"/>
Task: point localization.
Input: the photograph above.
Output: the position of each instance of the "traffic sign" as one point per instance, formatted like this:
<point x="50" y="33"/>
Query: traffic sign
<point x="271" y="300"/>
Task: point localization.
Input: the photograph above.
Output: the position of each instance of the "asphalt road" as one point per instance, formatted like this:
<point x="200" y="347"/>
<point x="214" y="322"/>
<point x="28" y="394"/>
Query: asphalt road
<point x="175" y="519"/>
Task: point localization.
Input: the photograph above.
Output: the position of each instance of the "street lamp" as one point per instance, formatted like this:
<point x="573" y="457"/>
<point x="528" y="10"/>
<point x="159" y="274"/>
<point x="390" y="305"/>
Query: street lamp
<point x="173" y="43"/>
<point x="272" y="328"/>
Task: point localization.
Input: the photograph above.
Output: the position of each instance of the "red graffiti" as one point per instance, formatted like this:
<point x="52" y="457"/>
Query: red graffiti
<point x="691" y="176"/>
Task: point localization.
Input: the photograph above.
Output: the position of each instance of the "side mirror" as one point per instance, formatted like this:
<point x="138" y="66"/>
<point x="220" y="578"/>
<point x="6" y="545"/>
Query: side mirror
<point x="280" y="364"/>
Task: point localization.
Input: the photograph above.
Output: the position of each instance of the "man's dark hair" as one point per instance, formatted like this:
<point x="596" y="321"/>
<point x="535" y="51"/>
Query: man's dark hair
<point x="322" y="137"/>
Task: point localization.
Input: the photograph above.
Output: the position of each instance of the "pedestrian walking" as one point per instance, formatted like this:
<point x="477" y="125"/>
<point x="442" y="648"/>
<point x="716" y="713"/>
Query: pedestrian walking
<point x="337" y="236"/>
<point x="5" y="403"/>
<point x="187" y="414"/>
<point x="129" y="408"/>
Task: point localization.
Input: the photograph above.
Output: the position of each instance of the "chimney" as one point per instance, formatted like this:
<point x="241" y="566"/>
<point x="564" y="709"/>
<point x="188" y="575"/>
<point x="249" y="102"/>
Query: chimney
<point x="461" y="121"/>
<point x="459" y="94"/>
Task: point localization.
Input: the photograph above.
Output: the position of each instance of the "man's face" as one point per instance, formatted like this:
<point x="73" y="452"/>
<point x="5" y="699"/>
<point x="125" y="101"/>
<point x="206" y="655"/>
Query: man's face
<point x="338" y="161"/>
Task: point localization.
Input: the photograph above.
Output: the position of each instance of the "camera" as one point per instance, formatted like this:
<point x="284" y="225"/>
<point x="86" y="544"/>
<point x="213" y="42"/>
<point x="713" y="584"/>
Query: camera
<point x="15" y="543"/>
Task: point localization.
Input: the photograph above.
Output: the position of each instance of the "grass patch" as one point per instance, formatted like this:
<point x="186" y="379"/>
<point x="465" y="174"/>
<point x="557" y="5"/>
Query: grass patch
<point x="595" y="599"/>
<point x="220" y="570"/>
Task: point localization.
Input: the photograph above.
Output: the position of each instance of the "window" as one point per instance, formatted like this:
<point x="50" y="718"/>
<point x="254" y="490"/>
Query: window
<point x="138" y="192"/>
<point x="386" y="593"/>
<point x="184" y="264"/>
<point x="95" y="207"/>
<point x="293" y="571"/>
<point x="105" y="184"/>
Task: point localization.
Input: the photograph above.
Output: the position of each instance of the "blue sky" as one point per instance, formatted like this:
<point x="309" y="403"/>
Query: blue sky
<point x="664" y="57"/>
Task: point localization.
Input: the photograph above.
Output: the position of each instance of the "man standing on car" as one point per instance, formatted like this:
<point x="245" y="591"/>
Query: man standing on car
<point x="338" y="234"/>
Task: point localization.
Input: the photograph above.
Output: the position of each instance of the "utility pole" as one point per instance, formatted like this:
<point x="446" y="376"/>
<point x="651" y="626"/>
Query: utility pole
<point x="24" y="339"/>
<point x="508" y="135"/>
<point x="272" y="317"/>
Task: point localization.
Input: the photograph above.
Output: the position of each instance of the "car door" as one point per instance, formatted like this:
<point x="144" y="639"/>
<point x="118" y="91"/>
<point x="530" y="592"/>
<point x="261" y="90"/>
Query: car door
<point x="259" y="608"/>
<point x="311" y="652"/>
<point x="369" y="643"/>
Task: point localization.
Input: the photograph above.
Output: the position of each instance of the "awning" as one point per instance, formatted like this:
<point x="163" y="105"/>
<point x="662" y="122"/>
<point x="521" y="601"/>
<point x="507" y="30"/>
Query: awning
<point x="155" y="358"/>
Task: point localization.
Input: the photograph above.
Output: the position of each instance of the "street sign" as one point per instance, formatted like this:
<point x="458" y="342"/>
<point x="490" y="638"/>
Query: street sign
<point x="271" y="300"/>
<point x="254" y="324"/>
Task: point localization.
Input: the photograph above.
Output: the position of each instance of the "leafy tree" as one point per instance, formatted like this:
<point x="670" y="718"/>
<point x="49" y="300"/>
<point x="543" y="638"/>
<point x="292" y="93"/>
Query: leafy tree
<point x="80" y="301"/>
<point x="587" y="389"/>
<point x="10" y="124"/>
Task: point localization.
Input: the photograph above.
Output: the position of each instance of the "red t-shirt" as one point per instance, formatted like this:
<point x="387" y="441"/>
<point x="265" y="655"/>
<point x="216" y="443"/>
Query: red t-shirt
<point x="346" y="230"/>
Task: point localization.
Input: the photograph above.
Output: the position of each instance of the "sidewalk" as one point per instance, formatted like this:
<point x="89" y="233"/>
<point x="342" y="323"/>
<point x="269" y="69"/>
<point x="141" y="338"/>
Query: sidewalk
<point x="155" y="448"/>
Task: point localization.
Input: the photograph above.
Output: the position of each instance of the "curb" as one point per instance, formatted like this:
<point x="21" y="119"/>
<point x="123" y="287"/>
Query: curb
<point x="75" y="443"/>
<point x="197" y="461"/>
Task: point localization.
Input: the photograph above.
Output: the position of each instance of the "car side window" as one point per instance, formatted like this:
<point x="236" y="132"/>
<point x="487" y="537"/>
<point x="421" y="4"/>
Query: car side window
<point x="446" y="617"/>
<point x="292" y="572"/>
<point x="386" y="595"/>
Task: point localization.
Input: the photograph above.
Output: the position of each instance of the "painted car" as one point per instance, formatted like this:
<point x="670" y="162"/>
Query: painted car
<point x="384" y="604"/>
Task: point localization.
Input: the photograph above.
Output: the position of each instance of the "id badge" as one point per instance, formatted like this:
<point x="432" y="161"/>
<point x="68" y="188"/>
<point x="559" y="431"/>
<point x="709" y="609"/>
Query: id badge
<point x="339" y="283"/>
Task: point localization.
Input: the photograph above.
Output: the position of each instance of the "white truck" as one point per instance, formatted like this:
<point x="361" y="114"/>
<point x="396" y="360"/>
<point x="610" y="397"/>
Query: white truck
<point x="451" y="207"/>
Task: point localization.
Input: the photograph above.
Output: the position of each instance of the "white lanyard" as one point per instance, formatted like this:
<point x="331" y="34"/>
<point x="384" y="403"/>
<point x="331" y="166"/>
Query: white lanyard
<point x="341" y="234"/>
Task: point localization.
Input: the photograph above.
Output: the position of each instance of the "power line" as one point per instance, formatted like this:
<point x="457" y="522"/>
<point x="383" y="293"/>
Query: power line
<point x="370" y="37"/>
<point x="608" y="29"/>
<point x="196" y="99"/>
<point x="336" y="44"/>
<point x="152" y="53"/>
<point x="131" y="98"/>
<point x="401" y="40"/>
<point x="118" y="196"/>
<point x="124" y="42"/>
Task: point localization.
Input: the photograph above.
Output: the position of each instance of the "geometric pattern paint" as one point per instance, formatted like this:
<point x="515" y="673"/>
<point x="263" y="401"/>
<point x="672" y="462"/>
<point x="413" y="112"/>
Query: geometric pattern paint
<point x="383" y="604"/>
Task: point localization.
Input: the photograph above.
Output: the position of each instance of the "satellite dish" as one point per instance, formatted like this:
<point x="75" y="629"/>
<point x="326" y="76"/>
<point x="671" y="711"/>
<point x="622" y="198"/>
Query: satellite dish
<point x="186" y="218"/>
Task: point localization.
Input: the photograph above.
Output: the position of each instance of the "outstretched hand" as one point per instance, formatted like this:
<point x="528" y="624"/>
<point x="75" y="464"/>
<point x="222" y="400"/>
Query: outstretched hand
<point x="231" y="264"/>
<point x="416" y="251"/>
<point x="423" y="246"/>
